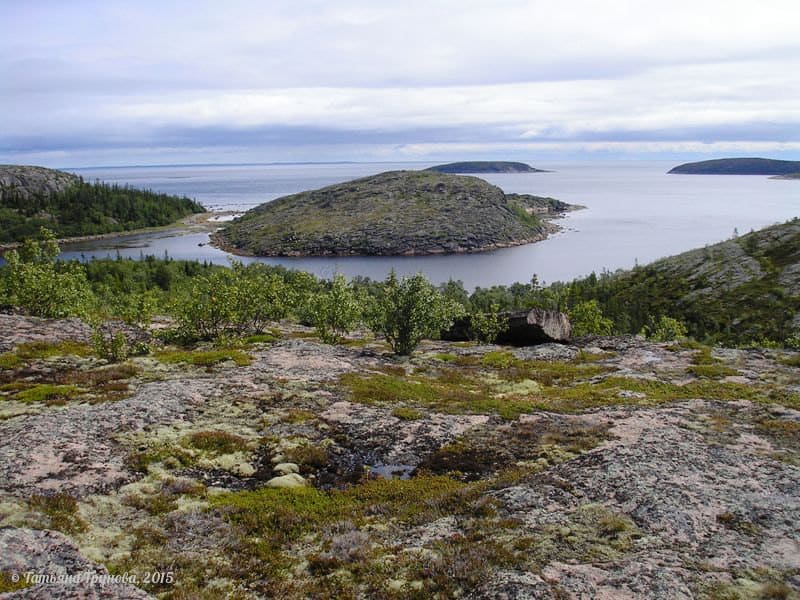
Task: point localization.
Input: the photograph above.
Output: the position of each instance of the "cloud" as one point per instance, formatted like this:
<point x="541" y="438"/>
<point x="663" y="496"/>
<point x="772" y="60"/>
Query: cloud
<point x="321" y="77"/>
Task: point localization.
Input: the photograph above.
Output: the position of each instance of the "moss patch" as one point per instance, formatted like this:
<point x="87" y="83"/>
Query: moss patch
<point x="204" y="358"/>
<point x="11" y="582"/>
<point x="51" y="395"/>
<point x="216" y="442"/>
<point x="622" y="390"/>
<point x="407" y="414"/>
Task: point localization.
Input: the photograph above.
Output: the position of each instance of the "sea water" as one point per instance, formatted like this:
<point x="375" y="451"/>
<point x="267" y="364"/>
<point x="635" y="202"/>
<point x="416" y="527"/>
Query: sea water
<point x="635" y="213"/>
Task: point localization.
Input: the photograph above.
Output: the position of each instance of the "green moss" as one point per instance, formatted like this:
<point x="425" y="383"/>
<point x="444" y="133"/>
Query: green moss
<point x="298" y="415"/>
<point x="712" y="371"/>
<point x="387" y="389"/>
<point x="140" y="460"/>
<point x="30" y="351"/>
<point x="584" y="356"/>
<point x="9" y="360"/>
<point x="468" y="390"/>
<point x="11" y="582"/>
<point x="49" y="394"/>
<point x="406" y="414"/>
<point x="744" y="588"/>
<point x="34" y="350"/>
<point x="791" y="361"/>
<point x="550" y="373"/>
<point x="204" y="358"/>
<point x="452" y="392"/>
<point x="216" y="442"/>
<point x="61" y="509"/>
<point x="445" y="356"/>
<point x="607" y="392"/>
<point x="283" y="515"/>
<point x="499" y="360"/>
<point x="263" y="338"/>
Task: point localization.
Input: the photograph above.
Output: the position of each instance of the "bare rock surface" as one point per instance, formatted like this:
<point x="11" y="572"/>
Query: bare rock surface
<point x="73" y="450"/>
<point x="536" y="327"/>
<point x="19" y="329"/>
<point x="603" y="468"/>
<point x="64" y="573"/>
<point x="23" y="182"/>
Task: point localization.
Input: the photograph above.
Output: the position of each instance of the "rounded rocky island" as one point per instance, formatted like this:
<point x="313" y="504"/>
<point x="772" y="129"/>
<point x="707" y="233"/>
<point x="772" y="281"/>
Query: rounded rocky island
<point x="393" y="213"/>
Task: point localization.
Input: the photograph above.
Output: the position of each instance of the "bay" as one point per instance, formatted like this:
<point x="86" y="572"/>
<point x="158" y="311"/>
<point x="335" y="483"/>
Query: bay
<point x="635" y="213"/>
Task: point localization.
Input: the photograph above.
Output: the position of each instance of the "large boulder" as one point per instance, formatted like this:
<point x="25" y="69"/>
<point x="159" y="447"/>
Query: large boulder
<point x="525" y="328"/>
<point x="536" y="327"/>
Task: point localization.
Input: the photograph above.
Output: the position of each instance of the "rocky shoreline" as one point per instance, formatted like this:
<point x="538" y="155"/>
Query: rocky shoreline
<point x="549" y="229"/>
<point x="197" y="222"/>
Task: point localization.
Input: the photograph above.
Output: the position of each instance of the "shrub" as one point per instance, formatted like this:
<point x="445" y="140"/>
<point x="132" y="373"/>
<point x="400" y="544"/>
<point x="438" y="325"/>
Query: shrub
<point x="485" y="327"/>
<point x="587" y="318"/>
<point x="259" y="298"/>
<point x="336" y="311"/>
<point x="109" y="345"/>
<point x="35" y="282"/>
<point x="666" y="329"/>
<point x="237" y="300"/>
<point x="408" y="310"/>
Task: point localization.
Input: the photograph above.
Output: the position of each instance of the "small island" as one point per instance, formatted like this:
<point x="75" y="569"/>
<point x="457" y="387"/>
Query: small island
<point x="739" y="166"/>
<point x="391" y="214"/>
<point x="486" y="166"/>
<point x="35" y="197"/>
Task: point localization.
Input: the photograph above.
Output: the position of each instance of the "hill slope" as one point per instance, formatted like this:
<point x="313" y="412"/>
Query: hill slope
<point x="393" y="213"/>
<point x="739" y="166"/>
<point x="485" y="166"/>
<point x="34" y="197"/>
<point x="740" y="290"/>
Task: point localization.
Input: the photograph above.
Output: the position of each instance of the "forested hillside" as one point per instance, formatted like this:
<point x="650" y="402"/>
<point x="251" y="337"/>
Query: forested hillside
<point x="77" y="208"/>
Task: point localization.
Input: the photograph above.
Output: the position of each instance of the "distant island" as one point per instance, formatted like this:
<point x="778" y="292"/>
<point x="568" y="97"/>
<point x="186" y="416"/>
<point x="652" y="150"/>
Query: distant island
<point x="35" y="197"/>
<point x="739" y="166"/>
<point x="393" y="213"/>
<point x="485" y="166"/>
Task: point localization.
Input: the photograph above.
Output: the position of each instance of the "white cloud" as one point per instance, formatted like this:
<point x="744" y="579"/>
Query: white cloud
<point x="102" y="73"/>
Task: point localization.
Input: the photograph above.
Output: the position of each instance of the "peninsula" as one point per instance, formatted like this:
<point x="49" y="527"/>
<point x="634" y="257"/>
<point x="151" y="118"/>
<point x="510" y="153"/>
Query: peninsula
<point x="393" y="213"/>
<point x="739" y="166"/>
<point x="35" y="197"/>
<point x="486" y="166"/>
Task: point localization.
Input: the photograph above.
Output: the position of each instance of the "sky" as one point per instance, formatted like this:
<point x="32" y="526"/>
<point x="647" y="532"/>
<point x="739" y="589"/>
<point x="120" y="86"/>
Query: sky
<point x="105" y="83"/>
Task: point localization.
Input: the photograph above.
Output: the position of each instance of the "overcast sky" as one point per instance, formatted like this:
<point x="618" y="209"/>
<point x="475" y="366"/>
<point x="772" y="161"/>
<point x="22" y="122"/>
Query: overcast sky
<point x="149" y="82"/>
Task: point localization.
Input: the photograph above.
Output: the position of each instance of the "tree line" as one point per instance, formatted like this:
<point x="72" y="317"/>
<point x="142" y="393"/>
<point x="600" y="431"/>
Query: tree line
<point x="211" y="302"/>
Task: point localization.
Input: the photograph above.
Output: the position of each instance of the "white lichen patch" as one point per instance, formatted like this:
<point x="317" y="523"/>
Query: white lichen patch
<point x="236" y="463"/>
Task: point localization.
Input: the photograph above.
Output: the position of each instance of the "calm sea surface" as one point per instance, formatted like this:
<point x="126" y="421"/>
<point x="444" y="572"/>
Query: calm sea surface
<point x="635" y="213"/>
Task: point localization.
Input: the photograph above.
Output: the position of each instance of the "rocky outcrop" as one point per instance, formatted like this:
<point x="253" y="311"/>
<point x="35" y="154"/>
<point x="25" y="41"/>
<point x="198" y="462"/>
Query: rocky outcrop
<point x="525" y="328"/>
<point x="537" y="326"/>
<point x="601" y="468"/>
<point x="394" y="213"/>
<point x="22" y="182"/>
<point x="52" y="567"/>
